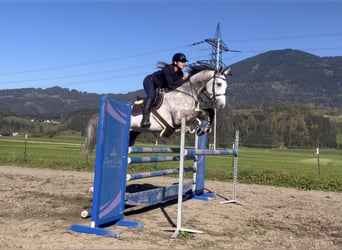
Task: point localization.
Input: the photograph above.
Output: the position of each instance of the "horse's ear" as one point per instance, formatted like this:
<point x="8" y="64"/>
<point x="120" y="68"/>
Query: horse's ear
<point x="219" y="70"/>
<point x="227" y="72"/>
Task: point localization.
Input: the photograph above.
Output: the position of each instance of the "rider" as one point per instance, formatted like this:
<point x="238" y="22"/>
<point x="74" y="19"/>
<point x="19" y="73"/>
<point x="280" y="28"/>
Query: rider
<point x="169" y="76"/>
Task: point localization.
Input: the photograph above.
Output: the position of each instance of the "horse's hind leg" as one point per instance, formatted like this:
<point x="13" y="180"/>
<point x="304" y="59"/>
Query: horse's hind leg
<point x="133" y="136"/>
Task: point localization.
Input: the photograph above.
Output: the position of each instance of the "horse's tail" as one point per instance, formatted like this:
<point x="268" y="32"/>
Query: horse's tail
<point x="91" y="133"/>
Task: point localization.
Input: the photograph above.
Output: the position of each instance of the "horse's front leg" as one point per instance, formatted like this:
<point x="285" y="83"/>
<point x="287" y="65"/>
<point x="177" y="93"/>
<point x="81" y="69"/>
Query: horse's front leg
<point x="194" y="125"/>
<point x="204" y="130"/>
<point x="208" y="116"/>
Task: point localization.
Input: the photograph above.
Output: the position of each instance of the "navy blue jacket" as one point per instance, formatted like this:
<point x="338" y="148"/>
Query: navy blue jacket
<point x="167" y="77"/>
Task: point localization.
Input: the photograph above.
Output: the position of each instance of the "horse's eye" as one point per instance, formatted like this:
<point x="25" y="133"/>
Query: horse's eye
<point x="219" y="84"/>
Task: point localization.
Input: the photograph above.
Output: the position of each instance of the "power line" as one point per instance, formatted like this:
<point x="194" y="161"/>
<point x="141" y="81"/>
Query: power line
<point x="103" y="79"/>
<point x="286" y="37"/>
<point x="72" y="76"/>
<point x="86" y="63"/>
<point x="163" y="50"/>
<point x="85" y="74"/>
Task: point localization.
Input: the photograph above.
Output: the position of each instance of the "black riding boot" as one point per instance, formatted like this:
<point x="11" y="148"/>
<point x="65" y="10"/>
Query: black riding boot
<point x="145" y="122"/>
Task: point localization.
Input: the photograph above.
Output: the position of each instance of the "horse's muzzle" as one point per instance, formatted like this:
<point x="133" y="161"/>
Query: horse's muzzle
<point x="220" y="102"/>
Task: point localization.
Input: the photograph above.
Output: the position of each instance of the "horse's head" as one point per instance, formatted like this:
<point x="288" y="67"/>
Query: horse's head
<point x="212" y="85"/>
<point x="216" y="87"/>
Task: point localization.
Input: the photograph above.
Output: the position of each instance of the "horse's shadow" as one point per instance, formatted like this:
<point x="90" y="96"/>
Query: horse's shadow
<point x="131" y="210"/>
<point x="135" y="210"/>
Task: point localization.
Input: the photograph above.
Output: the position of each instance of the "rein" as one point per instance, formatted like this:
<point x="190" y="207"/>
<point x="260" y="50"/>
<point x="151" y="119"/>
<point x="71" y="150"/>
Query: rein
<point x="189" y="94"/>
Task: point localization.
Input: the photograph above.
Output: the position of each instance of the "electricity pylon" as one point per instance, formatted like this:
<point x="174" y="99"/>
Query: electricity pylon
<point x="218" y="47"/>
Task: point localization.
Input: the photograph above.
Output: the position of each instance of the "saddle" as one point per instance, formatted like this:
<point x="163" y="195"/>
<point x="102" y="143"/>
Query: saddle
<point x="138" y="107"/>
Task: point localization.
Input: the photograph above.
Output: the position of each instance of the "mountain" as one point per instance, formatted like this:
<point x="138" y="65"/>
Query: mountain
<point x="55" y="100"/>
<point x="290" y="77"/>
<point x="287" y="77"/>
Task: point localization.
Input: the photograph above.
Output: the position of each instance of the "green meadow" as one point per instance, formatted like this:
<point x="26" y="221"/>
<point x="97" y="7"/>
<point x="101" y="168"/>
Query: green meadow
<point x="297" y="168"/>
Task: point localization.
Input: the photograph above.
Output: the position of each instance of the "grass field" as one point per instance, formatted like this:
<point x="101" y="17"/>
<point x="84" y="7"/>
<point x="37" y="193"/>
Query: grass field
<point x="300" y="168"/>
<point x="339" y="139"/>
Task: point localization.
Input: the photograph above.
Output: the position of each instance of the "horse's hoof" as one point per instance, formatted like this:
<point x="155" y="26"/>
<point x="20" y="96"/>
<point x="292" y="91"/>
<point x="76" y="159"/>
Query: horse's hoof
<point x="199" y="132"/>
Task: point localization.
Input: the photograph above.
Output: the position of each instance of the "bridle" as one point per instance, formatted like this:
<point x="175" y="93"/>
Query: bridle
<point x="206" y="98"/>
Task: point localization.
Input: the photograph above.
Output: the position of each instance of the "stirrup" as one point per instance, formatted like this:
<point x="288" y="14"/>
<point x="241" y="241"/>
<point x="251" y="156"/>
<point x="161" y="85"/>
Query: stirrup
<point x="145" y="124"/>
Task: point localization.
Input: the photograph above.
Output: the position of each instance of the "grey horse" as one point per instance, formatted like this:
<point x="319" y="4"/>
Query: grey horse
<point x="195" y="100"/>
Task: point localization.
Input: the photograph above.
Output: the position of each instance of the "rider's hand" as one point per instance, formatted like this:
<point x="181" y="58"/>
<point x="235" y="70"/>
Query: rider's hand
<point x="186" y="77"/>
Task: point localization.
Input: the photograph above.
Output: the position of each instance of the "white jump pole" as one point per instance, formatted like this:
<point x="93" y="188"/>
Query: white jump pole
<point x="235" y="172"/>
<point x="180" y="187"/>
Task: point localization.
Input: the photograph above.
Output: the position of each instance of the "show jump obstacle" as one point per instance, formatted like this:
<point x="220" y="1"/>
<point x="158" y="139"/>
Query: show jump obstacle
<point x="110" y="178"/>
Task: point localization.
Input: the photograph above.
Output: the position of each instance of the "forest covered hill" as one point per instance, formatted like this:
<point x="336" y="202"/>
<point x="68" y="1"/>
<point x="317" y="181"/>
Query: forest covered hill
<point x="287" y="76"/>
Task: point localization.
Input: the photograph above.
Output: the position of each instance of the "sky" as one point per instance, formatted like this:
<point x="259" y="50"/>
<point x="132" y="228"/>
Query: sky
<point x="99" y="46"/>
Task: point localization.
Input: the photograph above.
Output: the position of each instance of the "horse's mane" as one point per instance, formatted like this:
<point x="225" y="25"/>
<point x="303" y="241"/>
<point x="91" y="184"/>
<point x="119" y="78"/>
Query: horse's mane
<point x="194" y="69"/>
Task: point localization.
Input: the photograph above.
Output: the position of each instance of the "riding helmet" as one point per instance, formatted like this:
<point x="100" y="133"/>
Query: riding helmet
<point x="179" y="57"/>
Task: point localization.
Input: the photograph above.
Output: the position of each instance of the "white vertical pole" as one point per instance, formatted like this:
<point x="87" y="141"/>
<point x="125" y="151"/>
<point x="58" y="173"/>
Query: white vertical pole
<point x="180" y="185"/>
<point x="235" y="172"/>
<point x="214" y="147"/>
<point x="217" y="67"/>
<point x="25" y="158"/>
<point x="318" y="164"/>
<point x="218" y="54"/>
<point x="181" y="178"/>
